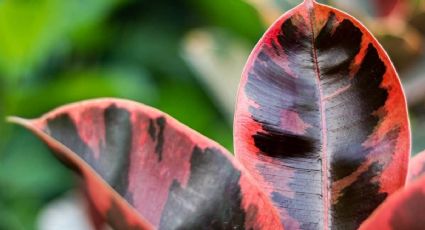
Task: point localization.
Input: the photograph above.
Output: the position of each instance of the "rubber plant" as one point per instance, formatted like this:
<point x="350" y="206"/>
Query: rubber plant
<point x="321" y="136"/>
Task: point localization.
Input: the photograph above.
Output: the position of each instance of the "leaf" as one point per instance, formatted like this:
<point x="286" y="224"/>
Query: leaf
<point x="217" y="57"/>
<point x="143" y="170"/>
<point x="402" y="210"/>
<point x="236" y="16"/>
<point x="321" y="119"/>
<point x="270" y="10"/>
<point x="416" y="167"/>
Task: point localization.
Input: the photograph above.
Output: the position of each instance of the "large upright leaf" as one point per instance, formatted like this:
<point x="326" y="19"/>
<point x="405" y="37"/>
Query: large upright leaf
<point x="143" y="170"/>
<point x="321" y="119"/>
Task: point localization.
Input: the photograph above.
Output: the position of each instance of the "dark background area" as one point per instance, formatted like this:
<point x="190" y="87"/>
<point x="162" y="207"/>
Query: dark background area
<point x="181" y="56"/>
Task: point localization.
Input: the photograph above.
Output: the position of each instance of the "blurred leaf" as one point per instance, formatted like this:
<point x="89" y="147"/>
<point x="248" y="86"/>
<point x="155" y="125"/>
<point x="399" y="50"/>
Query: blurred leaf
<point x="414" y="83"/>
<point x="270" y="10"/>
<point x="218" y="57"/>
<point x="417" y="20"/>
<point x="156" y="48"/>
<point x="404" y="49"/>
<point x="235" y="15"/>
<point x="31" y="30"/>
<point x="417" y="121"/>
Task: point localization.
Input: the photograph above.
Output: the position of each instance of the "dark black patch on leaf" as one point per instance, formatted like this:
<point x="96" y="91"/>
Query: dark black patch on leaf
<point x="115" y="154"/>
<point x="114" y="158"/>
<point x="160" y="122"/>
<point x="212" y="198"/>
<point x="336" y="48"/>
<point x="63" y="129"/>
<point x="280" y="144"/>
<point x="152" y="130"/>
<point x="362" y="197"/>
<point x="358" y="200"/>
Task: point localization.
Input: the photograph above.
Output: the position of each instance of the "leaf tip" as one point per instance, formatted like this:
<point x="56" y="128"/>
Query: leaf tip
<point x="17" y="120"/>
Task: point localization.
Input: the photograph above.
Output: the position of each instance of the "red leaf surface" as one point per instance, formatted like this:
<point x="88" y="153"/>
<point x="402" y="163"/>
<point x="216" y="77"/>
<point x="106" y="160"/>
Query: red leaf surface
<point x="144" y="170"/>
<point x="416" y="167"/>
<point x="321" y="120"/>
<point x="404" y="210"/>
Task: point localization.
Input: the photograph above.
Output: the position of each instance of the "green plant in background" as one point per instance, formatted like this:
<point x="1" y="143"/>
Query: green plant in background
<point x="53" y="52"/>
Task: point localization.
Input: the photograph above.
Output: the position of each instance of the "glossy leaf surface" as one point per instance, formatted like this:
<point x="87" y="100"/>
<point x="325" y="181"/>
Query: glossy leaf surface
<point x="416" y="167"/>
<point x="321" y="119"/>
<point x="144" y="170"/>
<point x="403" y="210"/>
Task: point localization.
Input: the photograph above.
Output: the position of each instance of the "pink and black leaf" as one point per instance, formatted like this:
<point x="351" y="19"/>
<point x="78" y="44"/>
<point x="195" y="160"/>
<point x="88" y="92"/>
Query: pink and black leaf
<point x="321" y="119"/>
<point x="144" y="170"/>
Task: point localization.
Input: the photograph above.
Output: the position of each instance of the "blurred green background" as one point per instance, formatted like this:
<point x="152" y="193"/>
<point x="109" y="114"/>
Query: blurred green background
<point x="181" y="56"/>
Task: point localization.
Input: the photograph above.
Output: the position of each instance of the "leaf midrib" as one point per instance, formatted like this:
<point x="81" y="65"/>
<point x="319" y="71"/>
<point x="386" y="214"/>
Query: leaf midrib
<point x="324" y="158"/>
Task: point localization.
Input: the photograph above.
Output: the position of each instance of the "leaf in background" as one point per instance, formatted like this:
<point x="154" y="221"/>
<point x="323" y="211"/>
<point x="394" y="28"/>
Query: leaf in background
<point x="155" y="47"/>
<point x="235" y="15"/>
<point x="416" y="167"/>
<point x="403" y="210"/>
<point x="218" y="58"/>
<point x="270" y="10"/>
<point x="404" y="48"/>
<point x="30" y="30"/>
<point x="142" y="169"/>
<point x="417" y="17"/>
<point x="321" y="119"/>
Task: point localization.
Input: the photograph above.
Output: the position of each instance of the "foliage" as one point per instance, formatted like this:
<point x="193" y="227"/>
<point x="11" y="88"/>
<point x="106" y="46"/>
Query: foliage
<point x="54" y="53"/>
